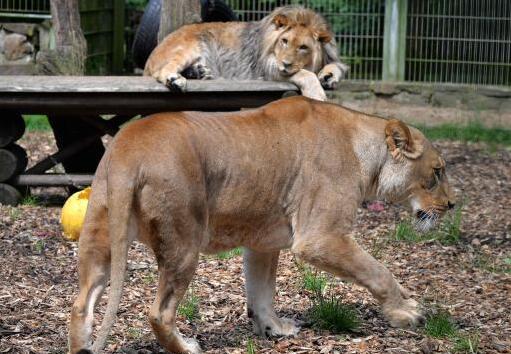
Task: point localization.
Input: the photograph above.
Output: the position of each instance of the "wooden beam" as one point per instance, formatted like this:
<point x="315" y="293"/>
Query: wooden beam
<point x="176" y="13"/>
<point x="53" y="180"/>
<point x="135" y="84"/>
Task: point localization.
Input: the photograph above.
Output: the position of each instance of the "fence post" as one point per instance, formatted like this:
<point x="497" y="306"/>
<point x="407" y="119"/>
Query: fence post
<point x="394" y="40"/>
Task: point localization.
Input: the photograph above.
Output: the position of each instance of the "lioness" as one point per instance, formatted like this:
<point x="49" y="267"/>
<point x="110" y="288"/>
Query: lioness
<point x="291" y="44"/>
<point x="290" y="174"/>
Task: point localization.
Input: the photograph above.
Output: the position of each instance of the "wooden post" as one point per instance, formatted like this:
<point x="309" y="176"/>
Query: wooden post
<point x="176" y="13"/>
<point x="118" y="39"/>
<point x="68" y="57"/>
<point x="394" y="40"/>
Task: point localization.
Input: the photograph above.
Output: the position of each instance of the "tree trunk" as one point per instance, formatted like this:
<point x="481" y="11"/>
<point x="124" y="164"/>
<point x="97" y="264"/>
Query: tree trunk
<point x="176" y="13"/>
<point x="70" y="52"/>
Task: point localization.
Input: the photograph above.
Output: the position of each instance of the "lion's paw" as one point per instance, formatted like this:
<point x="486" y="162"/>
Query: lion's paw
<point x="406" y="315"/>
<point x="204" y="72"/>
<point x="277" y="327"/>
<point x="175" y="82"/>
<point x="328" y="79"/>
<point x="317" y="94"/>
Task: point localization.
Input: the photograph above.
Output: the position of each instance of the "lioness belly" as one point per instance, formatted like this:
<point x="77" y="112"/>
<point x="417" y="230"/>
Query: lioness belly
<point x="263" y="237"/>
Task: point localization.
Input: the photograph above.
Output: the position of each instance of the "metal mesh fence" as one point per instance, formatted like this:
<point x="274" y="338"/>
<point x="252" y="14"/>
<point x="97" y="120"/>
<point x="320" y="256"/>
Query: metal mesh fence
<point x="25" y="6"/>
<point x="357" y="24"/>
<point x="460" y="41"/>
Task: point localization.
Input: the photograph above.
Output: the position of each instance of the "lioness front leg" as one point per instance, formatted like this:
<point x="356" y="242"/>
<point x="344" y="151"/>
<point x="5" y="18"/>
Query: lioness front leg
<point x="309" y="84"/>
<point x="260" y="272"/>
<point x="340" y="255"/>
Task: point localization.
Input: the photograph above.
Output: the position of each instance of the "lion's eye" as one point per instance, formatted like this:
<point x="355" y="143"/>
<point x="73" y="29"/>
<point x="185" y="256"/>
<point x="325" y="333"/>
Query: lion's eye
<point x="438" y="173"/>
<point x="304" y="47"/>
<point x="284" y="41"/>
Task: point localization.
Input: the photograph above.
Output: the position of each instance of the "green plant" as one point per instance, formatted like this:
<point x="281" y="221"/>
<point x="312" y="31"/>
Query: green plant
<point x="14" y="213"/>
<point x="313" y="280"/>
<point x="467" y="343"/>
<point x="189" y="307"/>
<point x="332" y="314"/>
<point x="448" y="231"/>
<point x="251" y="347"/>
<point x="36" y="123"/>
<point x="493" y="265"/>
<point x="473" y="131"/>
<point x="440" y="325"/>
<point x="238" y="251"/>
<point x="30" y="200"/>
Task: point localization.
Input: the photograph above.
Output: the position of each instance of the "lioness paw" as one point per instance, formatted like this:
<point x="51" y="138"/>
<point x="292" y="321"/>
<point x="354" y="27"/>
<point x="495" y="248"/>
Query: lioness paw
<point x="406" y="315"/>
<point x="175" y="82"/>
<point x="192" y="346"/>
<point x="277" y="327"/>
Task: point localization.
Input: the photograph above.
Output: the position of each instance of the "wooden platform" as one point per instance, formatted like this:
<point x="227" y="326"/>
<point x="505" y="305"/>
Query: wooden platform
<point x="88" y="98"/>
<point x="130" y="95"/>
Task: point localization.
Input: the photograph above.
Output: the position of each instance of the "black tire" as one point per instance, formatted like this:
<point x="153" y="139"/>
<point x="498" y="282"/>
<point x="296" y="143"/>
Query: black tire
<point x="9" y="195"/>
<point x="12" y="127"/>
<point x="13" y="161"/>
<point x="146" y="37"/>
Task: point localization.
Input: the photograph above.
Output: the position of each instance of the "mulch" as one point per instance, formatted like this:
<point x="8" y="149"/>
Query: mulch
<point x="471" y="279"/>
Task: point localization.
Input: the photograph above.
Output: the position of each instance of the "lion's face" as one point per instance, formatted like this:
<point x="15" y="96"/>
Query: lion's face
<point x="299" y="41"/>
<point x="419" y="174"/>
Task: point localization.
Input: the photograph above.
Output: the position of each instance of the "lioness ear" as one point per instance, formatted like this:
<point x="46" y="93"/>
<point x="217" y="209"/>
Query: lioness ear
<point x="400" y="142"/>
<point x="280" y="20"/>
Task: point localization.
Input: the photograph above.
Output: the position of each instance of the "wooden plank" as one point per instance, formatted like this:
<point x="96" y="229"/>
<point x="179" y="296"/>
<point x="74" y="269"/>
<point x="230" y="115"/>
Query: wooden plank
<point x="135" y="84"/>
<point x="53" y="180"/>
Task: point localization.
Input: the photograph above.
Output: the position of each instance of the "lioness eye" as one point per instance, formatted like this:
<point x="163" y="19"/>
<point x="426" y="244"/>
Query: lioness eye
<point x="284" y="41"/>
<point x="438" y="173"/>
<point x="303" y="47"/>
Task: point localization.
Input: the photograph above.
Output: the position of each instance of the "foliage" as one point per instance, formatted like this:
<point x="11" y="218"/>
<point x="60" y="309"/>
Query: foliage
<point x="330" y="313"/>
<point x="474" y="131"/>
<point x="136" y="4"/>
<point x="251" y="347"/>
<point x="448" y="232"/>
<point x="238" y="251"/>
<point x="189" y="306"/>
<point x="467" y="343"/>
<point x="36" y="123"/>
<point x="313" y="280"/>
<point x="440" y="325"/>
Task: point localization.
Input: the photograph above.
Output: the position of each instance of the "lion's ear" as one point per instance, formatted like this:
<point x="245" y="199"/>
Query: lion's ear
<point x="280" y="20"/>
<point x="400" y="142"/>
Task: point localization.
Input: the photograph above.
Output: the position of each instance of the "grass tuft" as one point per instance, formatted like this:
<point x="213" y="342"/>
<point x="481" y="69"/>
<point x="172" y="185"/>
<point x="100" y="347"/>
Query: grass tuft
<point x="189" y="307"/>
<point x="313" y="280"/>
<point x="332" y="314"/>
<point x="468" y="343"/>
<point x="251" y="347"/>
<point x="473" y="131"/>
<point x="448" y="232"/>
<point x="440" y="325"/>
<point x="238" y="251"/>
<point x="36" y="123"/>
<point x="30" y="200"/>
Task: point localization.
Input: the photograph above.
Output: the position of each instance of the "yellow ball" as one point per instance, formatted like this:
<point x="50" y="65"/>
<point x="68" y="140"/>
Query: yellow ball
<point x="73" y="213"/>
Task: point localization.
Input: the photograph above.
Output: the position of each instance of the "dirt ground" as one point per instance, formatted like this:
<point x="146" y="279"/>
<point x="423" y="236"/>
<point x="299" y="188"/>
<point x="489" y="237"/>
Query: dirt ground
<point x="470" y="279"/>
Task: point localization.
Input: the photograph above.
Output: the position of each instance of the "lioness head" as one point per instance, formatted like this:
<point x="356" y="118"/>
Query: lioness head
<point x="297" y="40"/>
<point x="416" y="173"/>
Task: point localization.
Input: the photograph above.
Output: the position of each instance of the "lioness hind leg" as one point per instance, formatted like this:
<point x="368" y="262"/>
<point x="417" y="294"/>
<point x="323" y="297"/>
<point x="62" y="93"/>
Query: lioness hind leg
<point x="340" y="255"/>
<point x="260" y="273"/>
<point x="94" y="270"/>
<point x="175" y="276"/>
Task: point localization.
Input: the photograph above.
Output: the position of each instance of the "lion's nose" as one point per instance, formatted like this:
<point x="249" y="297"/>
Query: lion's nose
<point x="286" y="64"/>
<point x="450" y="205"/>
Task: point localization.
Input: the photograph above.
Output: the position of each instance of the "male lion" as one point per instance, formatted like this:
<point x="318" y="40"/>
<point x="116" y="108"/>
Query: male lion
<point x="291" y="44"/>
<point x="290" y="174"/>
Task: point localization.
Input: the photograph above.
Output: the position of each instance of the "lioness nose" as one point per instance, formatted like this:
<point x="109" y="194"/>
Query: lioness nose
<point x="286" y="64"/>
<point x="450" y="205"/>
